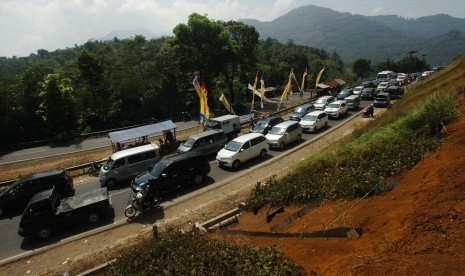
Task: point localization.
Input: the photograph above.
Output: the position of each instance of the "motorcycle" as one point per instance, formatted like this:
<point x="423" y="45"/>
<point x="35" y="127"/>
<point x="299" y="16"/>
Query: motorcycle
<point x="139" y="204"/>
<point x="368" y="112"/>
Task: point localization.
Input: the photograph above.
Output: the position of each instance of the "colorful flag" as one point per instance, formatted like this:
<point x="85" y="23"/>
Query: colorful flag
<point x="319" y="76"/>
<point x="226" y="103"/>
<point x="262" y="91"/>
<point x="287" y="89"/>
<point x="253" y="91"/>
<point x="303" y="83"/>
<point x="202" y="92"/>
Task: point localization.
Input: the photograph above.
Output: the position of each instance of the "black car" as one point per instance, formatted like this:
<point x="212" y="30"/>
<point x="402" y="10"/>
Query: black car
<point x="174" y="171"/>
<point x="15" y="198"/>
<point x="301" y="111"/>
<point x="264" y="125"/>
<point x="367" y="93"/>
<point x="395" y="91"/>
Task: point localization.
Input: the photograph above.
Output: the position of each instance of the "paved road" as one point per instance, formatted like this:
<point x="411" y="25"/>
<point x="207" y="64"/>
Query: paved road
<point x="88" y="144"/>
<point x="13" y="245"/>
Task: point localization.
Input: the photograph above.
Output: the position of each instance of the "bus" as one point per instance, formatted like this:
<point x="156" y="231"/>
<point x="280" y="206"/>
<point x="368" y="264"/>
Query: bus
<point x="384" y="75"/>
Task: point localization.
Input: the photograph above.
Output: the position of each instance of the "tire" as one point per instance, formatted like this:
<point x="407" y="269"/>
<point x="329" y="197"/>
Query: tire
<point x="156" y="201"/>
<point x="111" y="183"/>
<point x="198" y="179"/>
<point x="326" y="123"/>
<point x="130" y="211"/>
<point x="43" y="233"/>
<point x="2" y="212"/>
<point x="299" y="137"/>
<point x="281" y="146"/>
<point x="93" y="217"/>
<point x="236" y="164"/>
<point x="314" y="129"/>
<point x="263" y="153"/>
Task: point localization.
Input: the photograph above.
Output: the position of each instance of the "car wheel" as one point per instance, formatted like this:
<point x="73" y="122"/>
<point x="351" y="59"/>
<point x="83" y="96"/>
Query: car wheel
<point x="111" y="183"/>
<point x="198" y="179"/>
<point x="44" y="233"/>
<point x="299" y="137"/>
<point x="326" y="123"/>
<point x="281" y="146"/>
<point x="263" y="153"/>
<point x="1" y="212"/>
<point x="93" y="217"/>
<point x="236" y="164"/>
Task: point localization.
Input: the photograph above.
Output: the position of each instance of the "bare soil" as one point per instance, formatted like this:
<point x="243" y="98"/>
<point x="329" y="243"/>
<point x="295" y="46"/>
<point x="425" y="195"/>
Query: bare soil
<point x="416" y="229"/>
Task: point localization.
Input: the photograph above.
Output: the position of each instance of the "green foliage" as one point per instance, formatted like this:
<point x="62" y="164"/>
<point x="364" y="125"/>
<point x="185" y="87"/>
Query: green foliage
<point x="354" y="167"/>
<point x="189" y="254"/>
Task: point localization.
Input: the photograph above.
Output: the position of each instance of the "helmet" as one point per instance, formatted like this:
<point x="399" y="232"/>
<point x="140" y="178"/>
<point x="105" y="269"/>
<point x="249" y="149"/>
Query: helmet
<point x="143" y="185"/>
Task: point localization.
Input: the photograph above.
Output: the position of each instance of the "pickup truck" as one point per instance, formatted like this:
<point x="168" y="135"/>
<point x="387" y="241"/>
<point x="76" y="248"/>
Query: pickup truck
<point x="49" y="210"/>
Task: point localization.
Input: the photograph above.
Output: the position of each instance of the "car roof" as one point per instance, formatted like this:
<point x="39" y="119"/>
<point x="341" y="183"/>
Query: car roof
<point x="269" y="118"/>
<point x="134" y="150"/>
<point x="41" y="174"/>
<point x="247" y="137"/>
<point x="180" y="156"/>
<point x="286" y="124"/>
<point x="353" y="97"/>
<point x="325" y="97"/>
<point x="316" y="112"/>
<point x="338" y="102"/>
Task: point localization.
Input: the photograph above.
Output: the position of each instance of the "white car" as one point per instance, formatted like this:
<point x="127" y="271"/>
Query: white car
<point x="357" y="90"/>
<point x="241" y="149"/>
<point x="337" y="109"/>
<point x="313" y="121"/>
<point x="322" y="102"/>
<point x="381" y="86"/>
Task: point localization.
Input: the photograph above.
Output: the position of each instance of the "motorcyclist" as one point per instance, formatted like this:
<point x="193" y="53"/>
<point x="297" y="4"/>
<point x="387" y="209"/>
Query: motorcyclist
<point x="369" y="110"/>
<point x="142" y="195"/>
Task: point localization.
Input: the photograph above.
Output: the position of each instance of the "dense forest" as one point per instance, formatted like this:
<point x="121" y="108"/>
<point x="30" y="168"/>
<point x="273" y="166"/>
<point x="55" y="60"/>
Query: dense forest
<point x="108" y="84"/>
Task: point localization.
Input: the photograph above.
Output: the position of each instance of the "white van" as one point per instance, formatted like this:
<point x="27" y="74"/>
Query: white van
<point x="126" y="164"/>
<point x="231" y="125"/>
<point x="314" y="121"/>
<point x="241" y="149"/>
<point x="353" y="101"/>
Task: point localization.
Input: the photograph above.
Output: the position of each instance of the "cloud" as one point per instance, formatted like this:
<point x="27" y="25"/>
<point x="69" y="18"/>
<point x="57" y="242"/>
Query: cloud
<point x="377" y="11"/>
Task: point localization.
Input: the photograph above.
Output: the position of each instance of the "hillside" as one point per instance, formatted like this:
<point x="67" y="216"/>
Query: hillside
<point x="375" y="38"/>
<point x="415" y="229"/>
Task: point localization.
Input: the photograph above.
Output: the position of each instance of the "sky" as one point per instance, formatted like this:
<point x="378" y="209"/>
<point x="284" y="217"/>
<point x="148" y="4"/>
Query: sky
<point x="29" y="25"/>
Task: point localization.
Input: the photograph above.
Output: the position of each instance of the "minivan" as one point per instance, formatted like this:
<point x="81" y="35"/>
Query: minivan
<point x="126" y="164"/>
<point x="284" y="133"/>
<point x="300" y="111"/>
<point x="353" y="101"/>
<point x="174" y="171"/>
<point x="322" y="102"/>
<point x="265" y="124"/>
<point x="314" y="121"/>
<point x="16" y="197"/>
<point x="241" y="149"/>
<point x="207" y="142"/>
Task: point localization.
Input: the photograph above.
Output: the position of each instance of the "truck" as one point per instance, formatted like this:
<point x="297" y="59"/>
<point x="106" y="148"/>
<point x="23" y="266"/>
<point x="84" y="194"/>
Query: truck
<point x="231" y="125"/>
<point x="49" y="211"/>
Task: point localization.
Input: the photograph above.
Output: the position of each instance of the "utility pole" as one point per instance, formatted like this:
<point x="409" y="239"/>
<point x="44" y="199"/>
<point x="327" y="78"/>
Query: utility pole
<point x="410" y="61"/>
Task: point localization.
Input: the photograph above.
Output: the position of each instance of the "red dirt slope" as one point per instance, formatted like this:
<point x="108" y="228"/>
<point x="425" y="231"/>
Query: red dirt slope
<point x="416" y="229"/>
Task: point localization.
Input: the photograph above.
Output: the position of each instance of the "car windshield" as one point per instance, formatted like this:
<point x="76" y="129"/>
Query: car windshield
<point x="108" y="164"/>
<point x="233" y="146"/>
<point x="321" y="101"/>
<point x="157" y="169"/>
<point x="261" y="124"/>
<point x="277" y="130"/>
<point x="333" y="105"/>
<point x="300" y="110"/>
<point x="189" y="142"/>
<point x="309" y="117"/>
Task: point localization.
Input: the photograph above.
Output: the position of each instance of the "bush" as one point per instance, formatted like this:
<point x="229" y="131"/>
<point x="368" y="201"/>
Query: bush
<point x="189" y="254"/>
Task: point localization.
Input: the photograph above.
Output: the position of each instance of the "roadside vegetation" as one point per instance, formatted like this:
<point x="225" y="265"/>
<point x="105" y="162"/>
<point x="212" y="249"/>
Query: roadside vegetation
<point x="189" y="254"/>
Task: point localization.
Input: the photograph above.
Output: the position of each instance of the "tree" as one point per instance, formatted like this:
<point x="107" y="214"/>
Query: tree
<point x="57" y="106"/>
<point x="361" y="67"/>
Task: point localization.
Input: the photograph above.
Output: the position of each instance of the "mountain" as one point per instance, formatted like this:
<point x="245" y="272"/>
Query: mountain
<point x="372" y="37"/>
